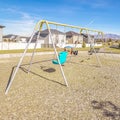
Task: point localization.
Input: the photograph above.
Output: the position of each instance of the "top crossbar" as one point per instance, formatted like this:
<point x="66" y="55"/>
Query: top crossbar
<point x="40" y="23"/>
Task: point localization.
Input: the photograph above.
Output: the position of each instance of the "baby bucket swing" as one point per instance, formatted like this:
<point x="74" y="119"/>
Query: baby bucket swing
<point x="62" y="58"/>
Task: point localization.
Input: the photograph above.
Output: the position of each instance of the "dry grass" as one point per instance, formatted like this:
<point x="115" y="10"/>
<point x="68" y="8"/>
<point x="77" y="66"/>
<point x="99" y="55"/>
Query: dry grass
<point x="93" y="92"/>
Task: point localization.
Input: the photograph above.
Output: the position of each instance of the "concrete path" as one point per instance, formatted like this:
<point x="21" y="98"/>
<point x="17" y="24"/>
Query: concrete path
<point x="20" y="54"/>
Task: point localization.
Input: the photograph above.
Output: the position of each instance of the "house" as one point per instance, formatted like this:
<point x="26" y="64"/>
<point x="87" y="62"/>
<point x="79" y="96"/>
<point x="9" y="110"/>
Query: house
<point x="23" y="39"/>
<point x="1" y="32"/>
<point x="11" y="38"/>
<point x="59" y="38"/>
<point x="73" y="37"/>
<point x="15" y="38"/>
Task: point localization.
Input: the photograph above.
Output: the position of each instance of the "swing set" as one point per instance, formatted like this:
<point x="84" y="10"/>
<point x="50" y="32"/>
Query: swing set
<point x="61" y="57"/>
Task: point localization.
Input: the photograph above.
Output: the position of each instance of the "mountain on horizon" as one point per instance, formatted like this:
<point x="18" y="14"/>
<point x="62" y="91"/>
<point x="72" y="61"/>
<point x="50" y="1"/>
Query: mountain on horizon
<point x="109" y="36"/>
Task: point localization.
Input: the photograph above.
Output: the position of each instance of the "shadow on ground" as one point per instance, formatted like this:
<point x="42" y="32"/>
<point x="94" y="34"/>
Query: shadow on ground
<point x="22" y="67"/>
<point x="107" y="108"/>
<point x="46" y="69"/>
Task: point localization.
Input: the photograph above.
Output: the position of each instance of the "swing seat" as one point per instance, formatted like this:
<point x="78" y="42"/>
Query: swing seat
<point x="62" y="57"/>
<point x="75" y="52"/>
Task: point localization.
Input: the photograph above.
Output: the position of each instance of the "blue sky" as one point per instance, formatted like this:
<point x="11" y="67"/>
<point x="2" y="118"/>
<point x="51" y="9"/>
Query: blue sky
<point x="20" y="16"/>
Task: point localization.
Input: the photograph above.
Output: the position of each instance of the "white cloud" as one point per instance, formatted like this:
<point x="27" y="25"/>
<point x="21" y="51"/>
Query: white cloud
<point x="19" y="27"/>
<point x="11" y="10"/>
<point x="25" y="15"/>
<point x="94" y="3"/>
<point x="23" y="25"/>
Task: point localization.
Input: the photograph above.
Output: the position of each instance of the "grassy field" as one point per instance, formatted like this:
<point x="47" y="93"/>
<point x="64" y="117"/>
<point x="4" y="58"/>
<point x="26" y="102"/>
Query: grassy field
<point x="93" y="92"/>
<point x="28" y="51"/>
<point x="107" y="49"/>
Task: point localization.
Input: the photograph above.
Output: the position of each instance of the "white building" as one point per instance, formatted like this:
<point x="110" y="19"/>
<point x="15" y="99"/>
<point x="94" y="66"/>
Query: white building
<point x="15" y="38"/>
<point x="73" y="37"/>
<point x="58" y="37"/>
<point x="1" y="32"/>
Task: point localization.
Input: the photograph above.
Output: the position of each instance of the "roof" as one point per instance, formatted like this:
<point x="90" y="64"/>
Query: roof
<point x="9" y="36"/>
<point x="2" y="26"/>
<point x="53" y="31"/>
<point x="71" y="33"/>
<point x="12" y="36"/>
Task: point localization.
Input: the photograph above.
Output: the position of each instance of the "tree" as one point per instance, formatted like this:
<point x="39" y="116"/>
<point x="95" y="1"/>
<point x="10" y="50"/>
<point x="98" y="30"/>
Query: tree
<point x="109" y="40"/>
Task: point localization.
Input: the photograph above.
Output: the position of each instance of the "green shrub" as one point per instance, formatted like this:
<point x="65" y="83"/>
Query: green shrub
<point x="108" y="43"/>
<point x="83" y="44"/>
<point x="119" y="45"/>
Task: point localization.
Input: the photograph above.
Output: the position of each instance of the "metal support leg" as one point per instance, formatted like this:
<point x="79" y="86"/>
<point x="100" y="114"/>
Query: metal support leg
<point x="63" y="74"/>
<point x="65" y="80"/>
<point x="33" y="53"/>
<point x="16" y="70"/>
<point x="60" y="66"/>
<point x="99" y="62"/>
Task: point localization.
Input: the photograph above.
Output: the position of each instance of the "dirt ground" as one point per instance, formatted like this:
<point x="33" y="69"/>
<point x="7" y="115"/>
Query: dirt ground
<point x="93" y="92"/>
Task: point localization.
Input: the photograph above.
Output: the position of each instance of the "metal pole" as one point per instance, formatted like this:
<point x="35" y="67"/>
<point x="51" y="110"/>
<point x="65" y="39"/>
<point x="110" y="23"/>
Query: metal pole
<point x="33" y="53"/>
<point x="57" y="55"/>
<point x="94" y="50"/>
<point x="21" y="59"/>
<point x="97" y="58"/>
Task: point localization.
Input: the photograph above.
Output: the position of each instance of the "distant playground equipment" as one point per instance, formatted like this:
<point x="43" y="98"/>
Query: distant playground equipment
<point x="71" y="50"/>
<point x="61" y="58"/>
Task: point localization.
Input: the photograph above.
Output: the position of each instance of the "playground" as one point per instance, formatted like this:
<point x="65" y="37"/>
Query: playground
<point x="93" y="92"/>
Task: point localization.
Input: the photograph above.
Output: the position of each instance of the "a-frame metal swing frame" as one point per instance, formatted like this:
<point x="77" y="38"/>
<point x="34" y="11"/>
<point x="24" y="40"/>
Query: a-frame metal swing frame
<point x="37" y="28"/>
<point x="89" y="39"/>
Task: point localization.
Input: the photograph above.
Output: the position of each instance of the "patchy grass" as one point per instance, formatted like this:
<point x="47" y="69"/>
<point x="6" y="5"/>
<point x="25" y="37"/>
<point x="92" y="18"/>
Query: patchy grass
<point x="29" y="50"/>
<point x="93" y="92"/>
<point x="107" y="49"/>
<point x="113" y="50"/>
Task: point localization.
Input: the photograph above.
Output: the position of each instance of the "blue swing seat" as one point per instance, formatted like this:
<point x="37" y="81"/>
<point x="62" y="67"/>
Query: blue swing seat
<point x="62" y="57"/>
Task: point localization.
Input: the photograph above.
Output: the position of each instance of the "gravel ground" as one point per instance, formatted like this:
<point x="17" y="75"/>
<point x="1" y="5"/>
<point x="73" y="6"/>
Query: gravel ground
<point x="93" y="92"/>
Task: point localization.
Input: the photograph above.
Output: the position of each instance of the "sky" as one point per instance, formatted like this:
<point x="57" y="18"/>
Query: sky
<point x="20" y="16"/>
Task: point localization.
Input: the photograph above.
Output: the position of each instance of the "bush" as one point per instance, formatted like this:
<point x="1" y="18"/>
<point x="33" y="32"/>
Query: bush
<point x="109" y="43"/>
<point x="119" y="45"/>
<point x="83" y="44"/>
